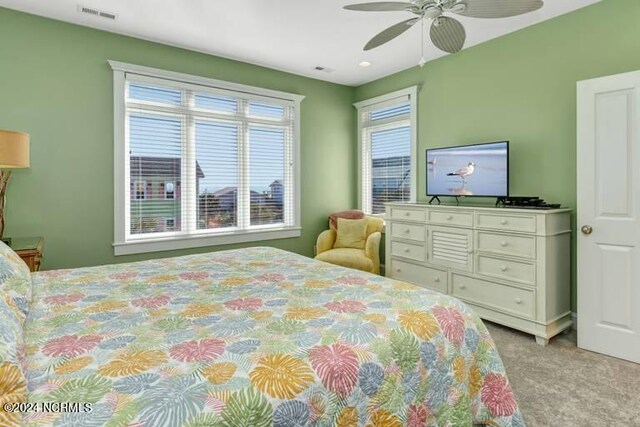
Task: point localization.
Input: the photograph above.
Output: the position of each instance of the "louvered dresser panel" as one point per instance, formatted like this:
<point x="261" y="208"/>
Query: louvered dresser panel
<point x="450" y="247"/>
<point x="510" y="265"/>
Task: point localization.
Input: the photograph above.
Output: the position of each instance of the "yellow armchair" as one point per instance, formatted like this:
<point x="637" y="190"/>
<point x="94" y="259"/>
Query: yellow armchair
<point x="367" y="259"/>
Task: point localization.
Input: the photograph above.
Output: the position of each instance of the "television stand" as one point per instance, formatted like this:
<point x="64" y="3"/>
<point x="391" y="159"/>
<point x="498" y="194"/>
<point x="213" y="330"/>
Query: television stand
<point x="434" y="198"/>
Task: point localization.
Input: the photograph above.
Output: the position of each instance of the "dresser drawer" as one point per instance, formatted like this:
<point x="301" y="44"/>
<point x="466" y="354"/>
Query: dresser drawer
<point x="464" y="219"/>
<point x="522" y="223"/>
<point x="520" y="246"/>
<point x="408" y="231"/>
<point x="494" y="295"/>
<point x="408" y="214"/>
<point x="430" y="278"/>
<point x="523" y="272"/>
<point x="408" y="250"/>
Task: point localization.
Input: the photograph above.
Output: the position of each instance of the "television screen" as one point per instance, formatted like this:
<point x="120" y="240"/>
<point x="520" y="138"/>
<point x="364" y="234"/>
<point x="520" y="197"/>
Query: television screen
<point x="471" y="170"/>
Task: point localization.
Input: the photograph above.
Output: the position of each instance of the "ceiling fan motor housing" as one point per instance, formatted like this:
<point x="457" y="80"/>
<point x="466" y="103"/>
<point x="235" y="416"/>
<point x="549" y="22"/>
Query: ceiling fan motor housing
<point x="432" y="12"/>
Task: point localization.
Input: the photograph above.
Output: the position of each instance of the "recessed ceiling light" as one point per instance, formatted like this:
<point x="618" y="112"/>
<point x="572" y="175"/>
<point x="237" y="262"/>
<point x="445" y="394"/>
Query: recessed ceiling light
<point x="364" y="64"/>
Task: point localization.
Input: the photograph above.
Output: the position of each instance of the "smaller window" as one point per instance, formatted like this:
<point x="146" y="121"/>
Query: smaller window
<point x="169" y="190"/>
<point x="169" y="224"/>
<point x="387" y="142"/>
<point x="140" y="188"/>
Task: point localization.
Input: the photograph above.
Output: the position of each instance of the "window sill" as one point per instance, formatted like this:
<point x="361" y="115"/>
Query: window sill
<point x="198" y="241"/>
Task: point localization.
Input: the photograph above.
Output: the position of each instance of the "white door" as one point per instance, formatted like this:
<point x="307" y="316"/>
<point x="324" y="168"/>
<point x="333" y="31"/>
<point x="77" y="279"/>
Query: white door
<point x="609" y="215"/>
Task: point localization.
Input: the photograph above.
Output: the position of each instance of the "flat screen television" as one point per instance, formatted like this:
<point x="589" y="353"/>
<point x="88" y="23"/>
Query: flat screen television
<point x="480" y="170"/>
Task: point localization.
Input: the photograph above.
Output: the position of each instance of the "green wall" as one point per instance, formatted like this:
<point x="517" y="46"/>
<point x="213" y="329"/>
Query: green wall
<point x="522" y="87"/>
<point x="55" y="83"/>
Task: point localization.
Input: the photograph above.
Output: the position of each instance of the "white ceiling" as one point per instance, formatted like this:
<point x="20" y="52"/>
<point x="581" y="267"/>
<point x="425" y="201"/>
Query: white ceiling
<point x="288" y="35"/>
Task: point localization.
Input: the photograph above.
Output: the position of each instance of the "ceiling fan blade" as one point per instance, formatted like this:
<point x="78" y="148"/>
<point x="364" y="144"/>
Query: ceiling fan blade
<point x="384" y="6"/>
<point x="448" y="34"/>
<point x="390" y="33"/>
<point x="496" y="8"/>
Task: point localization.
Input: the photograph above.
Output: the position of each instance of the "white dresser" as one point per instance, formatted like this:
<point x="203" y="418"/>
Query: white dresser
<point x="512" y="266"/>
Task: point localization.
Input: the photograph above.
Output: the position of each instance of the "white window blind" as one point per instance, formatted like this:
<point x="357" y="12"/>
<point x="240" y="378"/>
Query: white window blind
<point x="202" y="161"/>
<point x="387" y="146"/>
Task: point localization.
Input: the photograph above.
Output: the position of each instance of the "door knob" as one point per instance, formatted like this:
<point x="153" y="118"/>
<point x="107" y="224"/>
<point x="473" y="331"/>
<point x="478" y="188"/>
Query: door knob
<point x="586" y="230"/>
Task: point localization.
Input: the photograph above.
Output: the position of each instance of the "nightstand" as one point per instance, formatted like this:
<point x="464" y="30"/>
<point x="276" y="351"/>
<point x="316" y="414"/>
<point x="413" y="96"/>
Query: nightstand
<point x="29" y="249"/>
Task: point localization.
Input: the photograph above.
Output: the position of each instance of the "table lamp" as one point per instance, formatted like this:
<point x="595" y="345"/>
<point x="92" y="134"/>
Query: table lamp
<point x="14" y="154"/>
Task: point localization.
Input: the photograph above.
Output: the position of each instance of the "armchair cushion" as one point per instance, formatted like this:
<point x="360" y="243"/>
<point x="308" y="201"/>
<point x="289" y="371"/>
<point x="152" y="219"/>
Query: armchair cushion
<point x="347" y="257"/>
<point x="351" y="233"/>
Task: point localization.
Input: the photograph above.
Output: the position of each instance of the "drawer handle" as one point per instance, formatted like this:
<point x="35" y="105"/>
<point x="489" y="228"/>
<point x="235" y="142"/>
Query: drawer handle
<point x="407" y="214"/>
<point x="407" y="250"/>
<point x="463" y="286"/>
<point x="504" y="222"/>
<point x="518" y="301"/>
<point x="503" y="268"/>
<point x="437" y="280"/>
<point x="503" y="244"/>
<point x="449" y="217"/>
<point x="407" y="231"/>
<point x="398" y="270"/>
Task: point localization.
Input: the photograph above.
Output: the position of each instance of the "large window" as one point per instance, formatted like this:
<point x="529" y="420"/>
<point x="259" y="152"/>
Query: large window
<point x="387" y="134"/>
<point x="206" y="162"/>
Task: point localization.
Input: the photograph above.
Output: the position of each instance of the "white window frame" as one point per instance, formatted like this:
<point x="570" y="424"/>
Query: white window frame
<point x="410" y="94"/>
<point x="124" y="246"/>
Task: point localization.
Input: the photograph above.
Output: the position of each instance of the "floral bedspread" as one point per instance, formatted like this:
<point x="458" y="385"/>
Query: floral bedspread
<point x="257" y="337"/>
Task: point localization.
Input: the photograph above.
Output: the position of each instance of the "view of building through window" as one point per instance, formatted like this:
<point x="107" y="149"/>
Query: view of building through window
<point x="232" y="152"/>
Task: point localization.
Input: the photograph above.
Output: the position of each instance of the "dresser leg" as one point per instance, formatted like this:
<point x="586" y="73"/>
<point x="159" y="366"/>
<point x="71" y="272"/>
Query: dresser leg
<point x="542" y="341"/>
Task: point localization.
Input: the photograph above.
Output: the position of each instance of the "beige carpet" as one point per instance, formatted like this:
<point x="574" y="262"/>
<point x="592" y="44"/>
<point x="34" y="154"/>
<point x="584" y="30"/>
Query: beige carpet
<point x="562" y="385"/>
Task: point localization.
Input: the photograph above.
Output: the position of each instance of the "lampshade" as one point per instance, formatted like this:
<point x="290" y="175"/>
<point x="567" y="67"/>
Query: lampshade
<point x="14" y="149"/>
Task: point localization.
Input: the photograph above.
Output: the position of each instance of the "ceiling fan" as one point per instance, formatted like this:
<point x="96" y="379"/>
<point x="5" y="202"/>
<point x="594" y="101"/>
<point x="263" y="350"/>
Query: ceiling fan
<point x="446" y="33"/>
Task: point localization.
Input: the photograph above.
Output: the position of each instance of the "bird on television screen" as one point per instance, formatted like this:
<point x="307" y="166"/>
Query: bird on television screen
<point x="464" y="172"/>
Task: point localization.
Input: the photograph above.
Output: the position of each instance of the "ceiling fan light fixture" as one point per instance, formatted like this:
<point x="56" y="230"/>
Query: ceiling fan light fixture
<point x="364" y="64"/>
<point x="432" y="12"/>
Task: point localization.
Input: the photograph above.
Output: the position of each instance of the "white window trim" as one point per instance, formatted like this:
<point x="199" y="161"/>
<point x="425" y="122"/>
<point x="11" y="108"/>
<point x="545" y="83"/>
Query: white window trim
<point x="390" y="98"/>
<point x="156" y="244"/>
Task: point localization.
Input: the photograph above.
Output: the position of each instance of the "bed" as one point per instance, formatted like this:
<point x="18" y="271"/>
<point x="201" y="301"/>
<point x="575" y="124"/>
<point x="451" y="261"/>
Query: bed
<point x="250" y="337"/>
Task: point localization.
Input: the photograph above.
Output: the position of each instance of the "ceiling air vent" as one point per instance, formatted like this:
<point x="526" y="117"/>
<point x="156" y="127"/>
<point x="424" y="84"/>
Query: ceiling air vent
<point x="97" y="13"/>
<point x="323" y="69"/>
